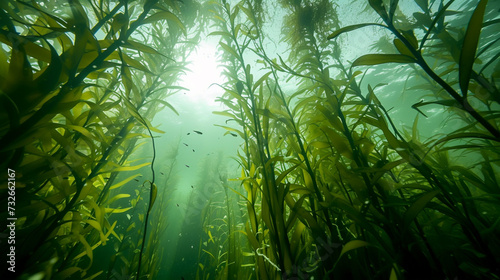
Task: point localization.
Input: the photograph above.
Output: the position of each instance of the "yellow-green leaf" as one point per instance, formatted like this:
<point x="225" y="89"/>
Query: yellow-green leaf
<point x="116" y="210"/>
<point x="353" y="244"/>
<point x="402" y="48"/>
<point x="116" y="197"/>
<point x="128" y="168"/>
<point x="124" y="182"/>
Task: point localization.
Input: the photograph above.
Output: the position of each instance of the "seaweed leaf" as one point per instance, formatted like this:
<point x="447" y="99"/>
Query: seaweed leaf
<point x="352" y="245"/>
<point x="375" y="59"/>
<point x="351" y="28"/>
<point x="469" y="47"/>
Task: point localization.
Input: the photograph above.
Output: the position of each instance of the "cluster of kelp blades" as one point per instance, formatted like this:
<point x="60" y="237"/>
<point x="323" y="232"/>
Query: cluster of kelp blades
<point x="80" y="79"/>
<point x="333" y="188"/>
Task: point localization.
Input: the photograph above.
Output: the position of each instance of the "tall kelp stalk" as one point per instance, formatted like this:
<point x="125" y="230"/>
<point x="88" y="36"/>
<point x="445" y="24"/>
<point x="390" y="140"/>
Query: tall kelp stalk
<point x="362" y="197"/>
<point x="72" y="98"/>
<point x="258" y="172"/>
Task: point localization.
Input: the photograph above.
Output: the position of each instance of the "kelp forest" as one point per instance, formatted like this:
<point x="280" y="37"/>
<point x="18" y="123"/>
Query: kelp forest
<point x="328" y="140"/>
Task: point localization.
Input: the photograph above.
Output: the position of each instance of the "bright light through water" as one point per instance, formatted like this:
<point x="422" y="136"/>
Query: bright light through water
<point x="203" y="72"/>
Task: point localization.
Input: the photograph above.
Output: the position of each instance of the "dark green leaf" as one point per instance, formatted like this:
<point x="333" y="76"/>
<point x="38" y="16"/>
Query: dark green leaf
<point x="394" y="5"/>
<point x="471" y="40"/>
<point x="378" y="6"/>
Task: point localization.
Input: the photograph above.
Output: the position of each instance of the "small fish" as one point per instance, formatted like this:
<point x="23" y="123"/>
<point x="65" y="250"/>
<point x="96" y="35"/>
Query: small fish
<point x="107" y="178"/>
<point x="232" y="134"/>
<point x="187" y="165"/>
<point x="185" y="144"/>
<point x="65" y="178"/>
<point x="162" y="173"/>
<point x="193" y="150"/>
<point x="177" y="204"/>
<point x="136" y="180"/>
<point x="189" y="133"/>
<point x="199" y="132"/>
<point x="192" y="187"/>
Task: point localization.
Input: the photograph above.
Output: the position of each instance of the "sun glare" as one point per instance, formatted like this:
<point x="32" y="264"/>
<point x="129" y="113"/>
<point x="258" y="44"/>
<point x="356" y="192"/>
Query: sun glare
<point x="203" y="72"/>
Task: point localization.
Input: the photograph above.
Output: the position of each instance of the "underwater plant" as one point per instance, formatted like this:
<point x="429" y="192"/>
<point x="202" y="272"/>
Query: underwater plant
<point x="334" y="161"/>
<point x="369" y="140"/>
<point x="71" y="104"/>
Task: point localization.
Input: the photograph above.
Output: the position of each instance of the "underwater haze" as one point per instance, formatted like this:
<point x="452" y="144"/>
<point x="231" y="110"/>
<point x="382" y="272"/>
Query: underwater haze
<point x="288" y="139"/>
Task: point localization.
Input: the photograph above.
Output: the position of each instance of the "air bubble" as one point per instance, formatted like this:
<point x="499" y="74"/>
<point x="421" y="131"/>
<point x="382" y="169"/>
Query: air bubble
<point x="94" y="66"/>
<point x="484" y="213"/>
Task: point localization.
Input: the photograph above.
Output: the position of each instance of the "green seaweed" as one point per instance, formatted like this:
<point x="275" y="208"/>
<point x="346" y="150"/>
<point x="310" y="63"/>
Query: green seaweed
<point x="339" y="175"/>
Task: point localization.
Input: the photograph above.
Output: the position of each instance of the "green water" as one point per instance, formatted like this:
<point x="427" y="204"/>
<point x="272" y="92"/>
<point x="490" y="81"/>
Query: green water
<point x="291" y="139"/>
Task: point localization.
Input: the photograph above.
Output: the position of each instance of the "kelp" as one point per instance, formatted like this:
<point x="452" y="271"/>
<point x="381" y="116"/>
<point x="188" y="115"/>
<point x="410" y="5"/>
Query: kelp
<point x="69" y="124"/>
<point x="331" y="181"/>
<point x="333" y="186"/>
